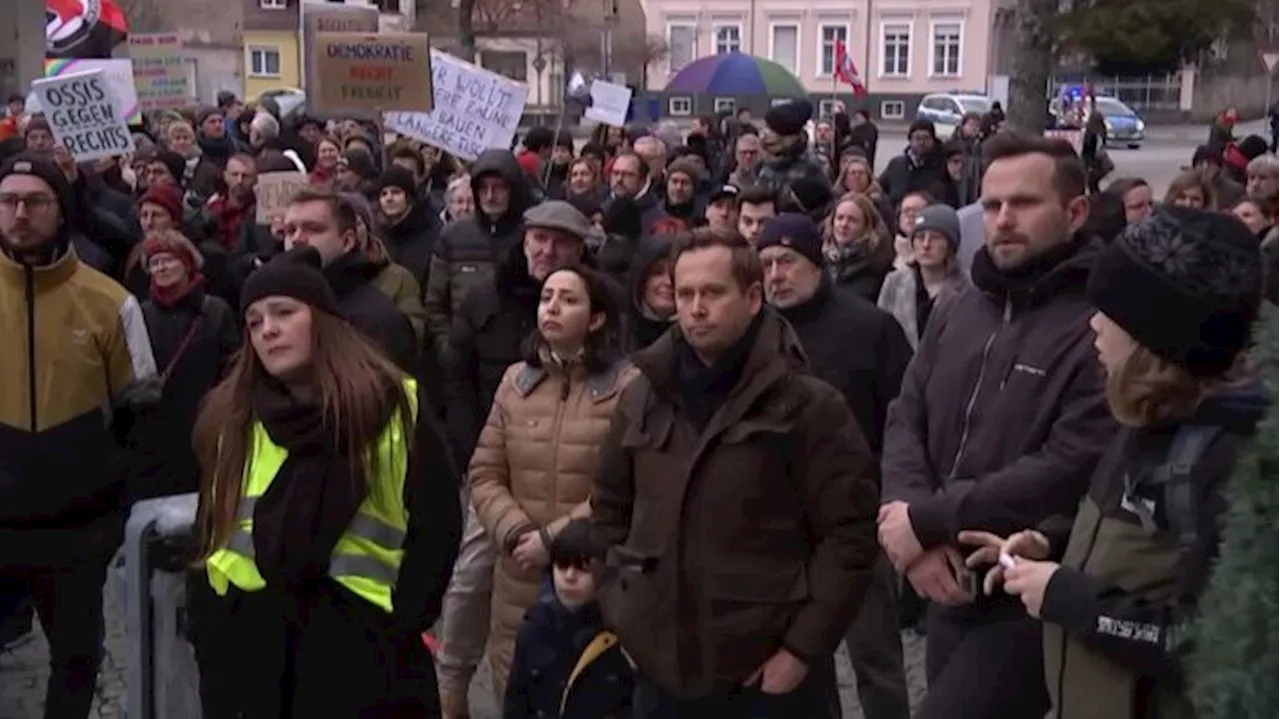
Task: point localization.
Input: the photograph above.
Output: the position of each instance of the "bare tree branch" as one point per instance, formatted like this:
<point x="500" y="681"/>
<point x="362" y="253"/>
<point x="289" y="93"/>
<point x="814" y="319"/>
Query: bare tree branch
<point x="143" y="15"/>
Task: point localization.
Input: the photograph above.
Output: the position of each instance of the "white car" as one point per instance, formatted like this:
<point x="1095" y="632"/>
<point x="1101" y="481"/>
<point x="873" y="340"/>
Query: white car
<point x="947" y="110"/>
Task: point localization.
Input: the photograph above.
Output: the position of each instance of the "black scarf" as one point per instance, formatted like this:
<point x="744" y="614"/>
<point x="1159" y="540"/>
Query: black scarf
<point x="704" y="389"/>
<point x="313" y="497"/>
<point x="1018" y="280"/>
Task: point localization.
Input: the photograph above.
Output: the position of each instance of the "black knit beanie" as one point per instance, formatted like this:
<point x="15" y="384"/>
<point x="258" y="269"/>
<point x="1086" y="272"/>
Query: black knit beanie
<point x="1185" y="284"/>
<point x="294" y="274"/>
<point x="397" y="176"/>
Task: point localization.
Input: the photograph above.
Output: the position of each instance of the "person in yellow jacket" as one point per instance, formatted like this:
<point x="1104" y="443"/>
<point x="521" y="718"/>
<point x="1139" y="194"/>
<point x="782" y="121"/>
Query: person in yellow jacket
<point x="328" y="521"/>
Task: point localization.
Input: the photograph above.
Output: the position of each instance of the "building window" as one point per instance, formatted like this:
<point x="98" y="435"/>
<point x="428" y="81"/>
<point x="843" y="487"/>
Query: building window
<point x="895" y="58"/>
<point x="264" y="61"/>
<point x="827" y="108"/>
<point x="511" y="64"/>
<point x="728" y="39"/>
<point x="680" y="106"/>
<point x="892" y="110"/>
<point x="682" y="45"/>
<point x="829" y="36"/>
<point x="784" y="46"/>
<point x="947" y="43"/>
<point x="273" y="4"/>
<point x="389" y="6"/>
<point x="724" y="104"/>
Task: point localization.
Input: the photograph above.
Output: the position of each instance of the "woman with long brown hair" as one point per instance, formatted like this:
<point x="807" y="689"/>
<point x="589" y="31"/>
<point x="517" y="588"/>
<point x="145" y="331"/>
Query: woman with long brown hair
<point x="857" y="246"/>
<point x="328" y="518"/>
<point x="1192" y="188"/>
<point x="1116" y="592"/>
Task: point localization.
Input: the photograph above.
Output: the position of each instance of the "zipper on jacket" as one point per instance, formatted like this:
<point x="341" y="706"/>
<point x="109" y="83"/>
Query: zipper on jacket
<point x="31" y="345"/>
<point x="977" y="387"/>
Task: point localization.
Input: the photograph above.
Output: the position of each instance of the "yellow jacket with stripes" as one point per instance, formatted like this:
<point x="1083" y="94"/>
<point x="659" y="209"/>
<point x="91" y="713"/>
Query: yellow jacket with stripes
<point x="367" y="558"/>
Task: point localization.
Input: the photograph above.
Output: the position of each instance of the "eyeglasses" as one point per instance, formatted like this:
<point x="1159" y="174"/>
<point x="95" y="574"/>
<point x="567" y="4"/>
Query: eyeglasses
<point x="33" y="203"/>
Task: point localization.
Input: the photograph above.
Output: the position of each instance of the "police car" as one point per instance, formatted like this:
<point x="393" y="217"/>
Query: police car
<point x="1124" y="126"/>
<point x="947" y="109"/>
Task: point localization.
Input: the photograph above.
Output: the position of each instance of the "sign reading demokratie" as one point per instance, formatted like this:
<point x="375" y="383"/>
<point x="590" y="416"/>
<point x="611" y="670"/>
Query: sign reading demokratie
<point x="82" y="112"/>
<point x="391" y="71"/>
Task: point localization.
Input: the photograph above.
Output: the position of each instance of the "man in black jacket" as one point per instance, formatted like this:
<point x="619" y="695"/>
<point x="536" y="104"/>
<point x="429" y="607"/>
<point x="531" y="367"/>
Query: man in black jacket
<point x="920" y="168"/>
<point x="328" y="222"/>
<point x="861" y="351"/>
<point x="1001" y="419"/>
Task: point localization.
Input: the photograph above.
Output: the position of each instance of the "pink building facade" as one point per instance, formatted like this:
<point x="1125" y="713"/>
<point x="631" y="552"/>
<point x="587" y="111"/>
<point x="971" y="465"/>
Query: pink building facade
<point x="903" y="49"/>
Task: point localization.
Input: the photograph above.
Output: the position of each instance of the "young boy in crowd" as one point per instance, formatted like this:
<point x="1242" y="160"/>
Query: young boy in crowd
<point x="566" y="664"/>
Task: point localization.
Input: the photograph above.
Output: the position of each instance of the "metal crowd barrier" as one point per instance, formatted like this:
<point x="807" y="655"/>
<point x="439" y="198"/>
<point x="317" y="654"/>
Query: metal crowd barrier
<point x="161" y="676"/>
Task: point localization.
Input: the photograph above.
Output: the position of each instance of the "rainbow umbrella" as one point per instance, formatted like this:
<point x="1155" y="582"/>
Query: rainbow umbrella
<point x="736" y="74"/>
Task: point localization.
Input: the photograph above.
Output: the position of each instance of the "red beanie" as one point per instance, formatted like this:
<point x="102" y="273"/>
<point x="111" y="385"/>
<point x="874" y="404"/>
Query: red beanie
<point x="166" y="196"/>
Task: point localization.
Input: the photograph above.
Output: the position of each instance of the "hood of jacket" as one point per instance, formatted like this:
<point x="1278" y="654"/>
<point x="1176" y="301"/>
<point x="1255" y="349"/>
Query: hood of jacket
<point x="1034" y="284"/>
<point x="644" y="327"/>
<point x="503" y="164"/>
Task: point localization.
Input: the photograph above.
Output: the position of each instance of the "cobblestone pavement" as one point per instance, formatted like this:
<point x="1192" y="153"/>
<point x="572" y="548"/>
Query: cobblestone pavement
<point x="23" y="673"/>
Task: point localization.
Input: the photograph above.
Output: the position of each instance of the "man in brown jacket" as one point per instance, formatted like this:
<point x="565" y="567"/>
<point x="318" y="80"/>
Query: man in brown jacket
<point x="737" y="497"/>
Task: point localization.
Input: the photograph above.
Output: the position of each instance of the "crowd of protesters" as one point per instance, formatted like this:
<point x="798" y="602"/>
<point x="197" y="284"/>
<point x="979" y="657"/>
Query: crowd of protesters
<point x="651" y="425"/>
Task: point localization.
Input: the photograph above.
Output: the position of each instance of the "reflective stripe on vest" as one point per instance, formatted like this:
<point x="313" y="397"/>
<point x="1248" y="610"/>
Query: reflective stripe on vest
<point x="366" y="559"/>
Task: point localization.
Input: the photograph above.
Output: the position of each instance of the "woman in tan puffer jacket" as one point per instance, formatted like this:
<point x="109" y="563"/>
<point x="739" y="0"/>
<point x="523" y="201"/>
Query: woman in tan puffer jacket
<point x="533" y="467"/>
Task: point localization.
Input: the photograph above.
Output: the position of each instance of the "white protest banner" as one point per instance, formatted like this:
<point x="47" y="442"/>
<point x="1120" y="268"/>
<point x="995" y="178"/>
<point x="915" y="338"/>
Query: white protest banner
<point x="83" y="113"/>
<point x="274" y="191"/>
<point x="163" y="76"/>
<point x="119" y="75"/>
<point x="475" y="109"/>
<point x="609" y="103"/>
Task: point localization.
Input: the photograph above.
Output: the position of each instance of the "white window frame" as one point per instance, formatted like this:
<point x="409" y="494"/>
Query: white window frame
<point x="736" y="27"/>
<point x="887" y="111"/>
<point x="724" y="104"/>
<point x="934" y="24"/>
<point x="693" y="51"/>
<point x="251" y="50"/>
<point x="822" y="50"/>
<point x="681" y="106"/>
<point x="794" y="25"/>
<point x="273" y="4"/>
<point x="827" y="108"/>
<point x="884" y="27"/>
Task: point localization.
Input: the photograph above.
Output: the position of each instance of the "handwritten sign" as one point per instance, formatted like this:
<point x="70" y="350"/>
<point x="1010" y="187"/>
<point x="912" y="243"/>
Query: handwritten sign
<point x="474" y="109"/>
<point x="162" y="74"/>
<point x="373" y="72"/>
<point x="274" y="191"/>
<point x="118" y="73"/>
<point x="83" y="113"/>
<point x="609" y="103"/>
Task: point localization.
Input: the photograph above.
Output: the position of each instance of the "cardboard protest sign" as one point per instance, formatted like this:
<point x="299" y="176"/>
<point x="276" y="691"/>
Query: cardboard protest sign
<point x="163" y="76"/>
<point x="609" y="103"/>
<point x="391" y="71"/>
<point x="329" y="18"/>
<point x="474" y="109"/>
<point x="83" y="113"/>
<point x="274" y="191"/>
<point x="118" y="73"/>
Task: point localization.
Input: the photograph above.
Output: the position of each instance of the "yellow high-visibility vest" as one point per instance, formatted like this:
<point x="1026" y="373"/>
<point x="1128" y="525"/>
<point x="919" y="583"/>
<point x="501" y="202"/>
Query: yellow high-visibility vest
<point x="366" y="559"/>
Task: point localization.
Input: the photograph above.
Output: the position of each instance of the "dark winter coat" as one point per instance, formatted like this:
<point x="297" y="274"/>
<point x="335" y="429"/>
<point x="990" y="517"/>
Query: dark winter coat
<point x="906" y="174"/>
<point x="1002" y="415"/>
<point x="162" y="461"/>
<point x="371" y="311"/>
<point x="411" y="241"/>
<point x="761" y="532"/>
<point x="855" y="347"/>
<point x="470" y="249"/>
<point x="567" y="665"/>
<point x="792" y="165"/>
<point x="1113" y="610"/>
<point x="488" y="333"/>
<point x="643" y="328"/>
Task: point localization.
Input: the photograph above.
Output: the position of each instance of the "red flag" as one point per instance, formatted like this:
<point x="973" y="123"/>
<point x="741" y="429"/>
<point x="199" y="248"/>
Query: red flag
<point x="847" y="72"/>
<point x="83" y="28"/>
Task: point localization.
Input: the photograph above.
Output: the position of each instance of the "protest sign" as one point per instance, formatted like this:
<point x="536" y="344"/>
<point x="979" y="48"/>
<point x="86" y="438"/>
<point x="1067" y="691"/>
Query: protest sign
<point x="162" y="75"/>
<point x="83" y="113"/>
<point x="474" y="109"/>
<point x="329" y="17"/>
<point x="609" y="103"/>
<point x="273" y="192"/>
<point x="118" y="73"/>
<point x="373" y="72"/>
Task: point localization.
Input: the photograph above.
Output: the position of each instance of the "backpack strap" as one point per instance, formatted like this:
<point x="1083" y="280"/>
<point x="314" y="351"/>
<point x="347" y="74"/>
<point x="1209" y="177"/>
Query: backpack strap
<point x="601" y="643"/>
<point x="1189" y="445"/>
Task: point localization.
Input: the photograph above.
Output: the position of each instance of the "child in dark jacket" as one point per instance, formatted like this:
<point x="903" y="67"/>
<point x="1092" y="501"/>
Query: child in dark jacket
<point x="566" y="664"/>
